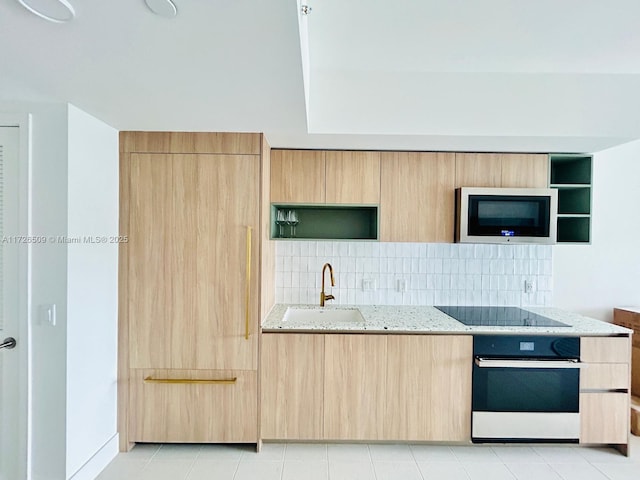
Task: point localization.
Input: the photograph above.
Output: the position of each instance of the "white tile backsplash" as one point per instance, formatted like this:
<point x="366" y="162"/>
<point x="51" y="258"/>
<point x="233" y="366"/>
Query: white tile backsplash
<point x="433" y="274"/>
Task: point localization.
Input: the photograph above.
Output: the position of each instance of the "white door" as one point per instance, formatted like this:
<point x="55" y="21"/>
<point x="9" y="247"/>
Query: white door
<point x="13" y="373"/>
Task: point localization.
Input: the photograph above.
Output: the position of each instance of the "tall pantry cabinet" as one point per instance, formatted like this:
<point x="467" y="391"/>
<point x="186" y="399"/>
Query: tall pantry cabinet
<point x="194" y="207"/>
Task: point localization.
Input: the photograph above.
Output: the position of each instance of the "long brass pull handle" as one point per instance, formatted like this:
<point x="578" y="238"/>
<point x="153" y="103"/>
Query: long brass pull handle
<point x="248" y="286"/>
<point x="223" y="381"/>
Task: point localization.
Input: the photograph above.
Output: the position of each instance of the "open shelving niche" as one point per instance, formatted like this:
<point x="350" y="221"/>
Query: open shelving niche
<point x="328" y="222"/>
<point x="571" y="175"/>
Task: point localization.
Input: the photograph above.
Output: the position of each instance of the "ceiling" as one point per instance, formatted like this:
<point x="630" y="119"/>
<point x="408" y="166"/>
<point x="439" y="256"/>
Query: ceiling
<point x="496" y="75"/>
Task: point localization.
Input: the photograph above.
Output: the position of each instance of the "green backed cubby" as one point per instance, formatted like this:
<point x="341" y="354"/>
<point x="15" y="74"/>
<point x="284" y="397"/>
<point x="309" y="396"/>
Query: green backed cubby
<point x="571" y="175"/>
<point x="576" y="200"/>
<point x="328" y="222"/>
<point x="574" y="229"/>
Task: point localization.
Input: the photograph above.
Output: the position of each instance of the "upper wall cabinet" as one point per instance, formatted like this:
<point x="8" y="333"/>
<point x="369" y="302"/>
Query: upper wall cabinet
<point x="525" y="170"/>
<point x="507" y="170"/>
<point x="318" y="176"/>
<point x="297" y="176"/>
<point x="334" y="193"/>
<point x="352" y="177"/>
<point x="417" y="197"/>
<point x="478" y="170"/>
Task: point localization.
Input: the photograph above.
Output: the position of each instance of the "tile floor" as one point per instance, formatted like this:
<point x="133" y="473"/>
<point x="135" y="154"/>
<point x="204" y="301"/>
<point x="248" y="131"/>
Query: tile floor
<point x="373" y="462"/>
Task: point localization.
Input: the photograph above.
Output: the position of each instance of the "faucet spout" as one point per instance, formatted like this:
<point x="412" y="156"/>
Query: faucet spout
<point x="323" y="296"/>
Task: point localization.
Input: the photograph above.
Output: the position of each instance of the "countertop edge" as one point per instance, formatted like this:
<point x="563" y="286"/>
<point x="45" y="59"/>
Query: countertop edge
<point x="427" y="320"/>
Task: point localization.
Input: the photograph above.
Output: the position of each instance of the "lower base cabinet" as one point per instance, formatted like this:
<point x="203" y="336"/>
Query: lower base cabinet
<point x="291" y="386"/>
<point x="193" y="406"/>
<point x="604" y="385"/>
<point x="604" y="417"/>
<point x="366" y="387"/>
<point x="354" y="387"/>
<point x="428" y="388"/>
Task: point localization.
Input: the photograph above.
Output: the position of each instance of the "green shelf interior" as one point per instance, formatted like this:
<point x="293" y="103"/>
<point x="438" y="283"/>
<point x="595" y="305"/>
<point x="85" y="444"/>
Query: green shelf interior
<point x="570" y="169"/>
<point x="331" y="222"/>
<point x="574" y="200"/>
<point x="573" y="229"/>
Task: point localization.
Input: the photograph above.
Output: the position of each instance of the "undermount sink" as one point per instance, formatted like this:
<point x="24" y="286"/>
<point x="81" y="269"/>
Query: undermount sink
<point x="322" y="315"/>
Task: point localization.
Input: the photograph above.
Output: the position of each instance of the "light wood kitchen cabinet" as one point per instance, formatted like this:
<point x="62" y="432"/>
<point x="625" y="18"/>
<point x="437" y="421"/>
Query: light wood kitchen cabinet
<point x="319" y="176"/>
<point x="478" y="170"/>
<point x="428" y="388"/>
<point x="505" y="170"/>
<point x="192" y="205"/>
<point x="354" y="386"/>
<point x="524" y="170"/>
<point x="604" y="417"/>
<point x="220" y="406"/>
<point x="188" y="261"/>
<point x="366" y="387"/>
<point x="605" y="390"/>
<point x="417" y="197"/>
<point x="604" y="376"/>
<point x="292" y="379"/>
<point x="605" y="349"/>
<point x="297" y="176"/>
<point x="352" y="177"/>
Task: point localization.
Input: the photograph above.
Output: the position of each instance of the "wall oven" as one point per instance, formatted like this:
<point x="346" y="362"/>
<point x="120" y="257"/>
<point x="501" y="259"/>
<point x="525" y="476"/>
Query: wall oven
<point x="525" y="389"/>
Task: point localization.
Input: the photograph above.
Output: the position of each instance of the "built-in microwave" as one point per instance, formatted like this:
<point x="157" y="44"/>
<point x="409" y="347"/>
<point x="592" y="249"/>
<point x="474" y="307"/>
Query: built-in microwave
<point x="506" y="215"/>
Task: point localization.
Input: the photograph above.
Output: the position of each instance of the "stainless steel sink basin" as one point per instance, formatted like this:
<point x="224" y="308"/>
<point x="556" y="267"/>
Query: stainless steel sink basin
<point x="322" y="315"/>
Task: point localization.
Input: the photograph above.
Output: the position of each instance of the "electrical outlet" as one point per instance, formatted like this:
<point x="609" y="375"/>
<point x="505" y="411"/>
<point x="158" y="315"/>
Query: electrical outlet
<point x="401" y="285"/>
<point x="529" y="286"/>
<point x="368" y="284"/>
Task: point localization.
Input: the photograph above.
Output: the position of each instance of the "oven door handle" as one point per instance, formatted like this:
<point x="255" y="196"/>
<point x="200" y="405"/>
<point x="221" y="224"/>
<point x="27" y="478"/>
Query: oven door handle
<point x="535" y="363"/>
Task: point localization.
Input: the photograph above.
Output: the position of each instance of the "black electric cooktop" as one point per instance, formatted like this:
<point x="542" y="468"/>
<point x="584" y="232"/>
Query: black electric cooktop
<point x="499" y="317"/>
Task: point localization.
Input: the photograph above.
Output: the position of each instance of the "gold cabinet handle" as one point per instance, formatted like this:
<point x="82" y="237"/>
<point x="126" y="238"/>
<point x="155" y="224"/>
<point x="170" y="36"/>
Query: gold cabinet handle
<point x="248" y="286"/>
<point x="223" y="381"/>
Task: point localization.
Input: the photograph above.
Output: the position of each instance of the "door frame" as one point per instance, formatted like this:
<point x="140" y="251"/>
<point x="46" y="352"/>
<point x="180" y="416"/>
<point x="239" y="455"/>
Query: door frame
<point x="23" y="122"/>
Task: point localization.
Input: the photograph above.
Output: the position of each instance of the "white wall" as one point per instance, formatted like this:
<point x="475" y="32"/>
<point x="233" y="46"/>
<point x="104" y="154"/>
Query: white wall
<point x="434" y="273"/>
<point x="92" y="288"/>
<point x="74" y="189"/>
<point x="593" y="279"/>
<point x="49" y="285"/>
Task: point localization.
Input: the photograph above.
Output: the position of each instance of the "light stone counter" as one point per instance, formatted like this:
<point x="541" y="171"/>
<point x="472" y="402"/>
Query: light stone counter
<point x="427" y="319"/>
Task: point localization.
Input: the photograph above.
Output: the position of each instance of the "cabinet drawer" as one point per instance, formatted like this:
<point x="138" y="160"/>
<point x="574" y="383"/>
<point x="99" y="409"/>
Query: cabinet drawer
<point x="193" y="406"/>
<point x="605" y="349"/>
<point x="604" y="376"/>
<point x="604" y="417"/>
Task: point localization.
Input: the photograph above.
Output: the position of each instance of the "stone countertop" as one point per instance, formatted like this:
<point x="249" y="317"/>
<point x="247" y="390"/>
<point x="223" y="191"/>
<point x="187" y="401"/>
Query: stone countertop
<point x="428" y="319"/>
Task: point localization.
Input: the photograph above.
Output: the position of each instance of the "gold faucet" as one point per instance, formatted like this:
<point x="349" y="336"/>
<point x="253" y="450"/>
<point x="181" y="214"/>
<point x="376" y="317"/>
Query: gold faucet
<point x="324" y="297"/>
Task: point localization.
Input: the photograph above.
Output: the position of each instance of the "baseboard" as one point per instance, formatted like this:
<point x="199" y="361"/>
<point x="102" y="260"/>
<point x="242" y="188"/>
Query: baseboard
<point x="96" y="464"/>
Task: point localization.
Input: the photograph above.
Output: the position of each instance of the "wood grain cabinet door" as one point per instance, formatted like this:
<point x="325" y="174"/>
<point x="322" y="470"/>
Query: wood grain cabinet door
<point x="292" y="376"/>
<point x="184" y="412"/>
<point x="297" y="176"/>
<point x="502" y="170"/>
<point x="604" y="417"/>
<point x="188" y="261"/>
<point x="417" y="197"/>
<point x="604" y="384"/>
<point x="352" y="177"/>
<point x="428" y="392"/>
<point x="478" y="170"/>
<point x="524" y="170"/>
<point x="355" y="371"/>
